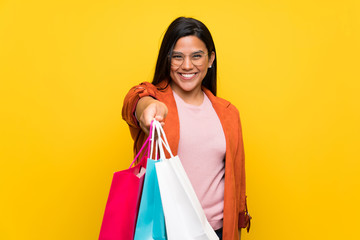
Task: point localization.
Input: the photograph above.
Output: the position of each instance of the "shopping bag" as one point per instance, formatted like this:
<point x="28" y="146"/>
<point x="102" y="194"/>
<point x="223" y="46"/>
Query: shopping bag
<point x="150" y="223"/>
<point x="123" y="201"/>
<point x="184" y="216"/>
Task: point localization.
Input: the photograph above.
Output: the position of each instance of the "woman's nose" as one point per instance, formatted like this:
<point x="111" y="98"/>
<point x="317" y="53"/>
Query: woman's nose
<point x="187" y="64"/>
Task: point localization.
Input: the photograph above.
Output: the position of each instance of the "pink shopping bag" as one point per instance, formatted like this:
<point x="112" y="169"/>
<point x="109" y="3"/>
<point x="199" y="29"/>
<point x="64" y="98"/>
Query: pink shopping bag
<point x="123" y="201"/>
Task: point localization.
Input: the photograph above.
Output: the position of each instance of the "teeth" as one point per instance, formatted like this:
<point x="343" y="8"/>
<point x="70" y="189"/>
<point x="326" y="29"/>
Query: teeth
<point x="188" y="75"/>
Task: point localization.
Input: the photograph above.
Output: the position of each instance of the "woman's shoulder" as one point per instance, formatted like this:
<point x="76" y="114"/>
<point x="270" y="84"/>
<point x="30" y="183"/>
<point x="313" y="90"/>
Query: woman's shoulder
<point x="145" y="85"/>
<point x="221" y="102"/>
<point x="155" y="87"/>
<point x="231" y="107"/>
<point x="146" y="89"/>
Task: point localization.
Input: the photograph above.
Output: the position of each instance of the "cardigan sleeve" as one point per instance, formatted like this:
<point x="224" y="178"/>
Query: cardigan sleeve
<point x="131" y="99"/>
<point x="244" y="217"/>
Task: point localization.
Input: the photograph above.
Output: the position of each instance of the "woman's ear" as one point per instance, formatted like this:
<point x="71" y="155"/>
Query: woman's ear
<point x="211" y="59"/>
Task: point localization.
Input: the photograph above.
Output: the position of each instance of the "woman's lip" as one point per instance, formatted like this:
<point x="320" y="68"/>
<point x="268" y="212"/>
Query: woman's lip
<point x="187" y="76"/>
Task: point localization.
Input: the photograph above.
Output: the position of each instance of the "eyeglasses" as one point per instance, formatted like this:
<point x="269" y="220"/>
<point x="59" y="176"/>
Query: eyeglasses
<point x="197" y="58"/>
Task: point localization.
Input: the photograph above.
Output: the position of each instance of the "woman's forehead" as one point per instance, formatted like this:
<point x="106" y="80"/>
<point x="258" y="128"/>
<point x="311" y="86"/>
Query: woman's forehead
<point x="189" y="44"/>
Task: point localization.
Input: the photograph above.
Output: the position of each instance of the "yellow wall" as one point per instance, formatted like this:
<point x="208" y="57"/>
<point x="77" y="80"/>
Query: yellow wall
<point x="291" y="67"/>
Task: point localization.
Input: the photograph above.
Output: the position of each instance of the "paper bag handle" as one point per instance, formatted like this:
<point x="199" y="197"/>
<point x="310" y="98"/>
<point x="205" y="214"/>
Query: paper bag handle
<point x="146" y="143"/>
<point x="162" y="140"/>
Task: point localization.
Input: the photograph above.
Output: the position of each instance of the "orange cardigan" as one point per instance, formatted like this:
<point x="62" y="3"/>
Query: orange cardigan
<point x="235" y="210"/>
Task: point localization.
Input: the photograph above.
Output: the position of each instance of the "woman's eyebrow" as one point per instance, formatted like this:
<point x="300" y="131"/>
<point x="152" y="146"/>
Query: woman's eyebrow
<point x="199" y="51"/>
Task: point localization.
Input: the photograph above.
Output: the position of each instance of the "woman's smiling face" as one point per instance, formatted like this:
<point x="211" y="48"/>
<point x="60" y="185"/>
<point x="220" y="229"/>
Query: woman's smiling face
<point x="189" y="64"/>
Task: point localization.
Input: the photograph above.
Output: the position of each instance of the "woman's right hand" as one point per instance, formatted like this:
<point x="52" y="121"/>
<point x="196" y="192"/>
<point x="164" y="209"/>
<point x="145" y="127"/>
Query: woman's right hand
<point x="149" y="108"/>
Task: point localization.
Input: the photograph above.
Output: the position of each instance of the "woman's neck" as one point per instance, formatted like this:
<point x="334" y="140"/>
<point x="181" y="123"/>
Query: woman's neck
<point x="194" y="97"/>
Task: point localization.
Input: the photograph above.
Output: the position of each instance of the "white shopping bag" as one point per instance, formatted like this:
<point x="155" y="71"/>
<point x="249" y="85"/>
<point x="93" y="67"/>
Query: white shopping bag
<point x="184" y="216"/>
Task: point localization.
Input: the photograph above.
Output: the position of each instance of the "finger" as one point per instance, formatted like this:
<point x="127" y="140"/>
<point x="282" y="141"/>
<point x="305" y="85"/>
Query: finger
<point x="144" y="128"/>
<point x="147" y="117"/>
<point x="159" y="118"/>
<point x="161" y="112"/>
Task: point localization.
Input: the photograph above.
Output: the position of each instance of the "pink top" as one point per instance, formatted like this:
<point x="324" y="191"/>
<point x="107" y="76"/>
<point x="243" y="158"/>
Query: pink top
<point x="201" y="150"/>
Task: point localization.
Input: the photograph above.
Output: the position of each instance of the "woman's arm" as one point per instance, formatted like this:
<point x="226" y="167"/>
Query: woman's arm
<point x="141" y="101"/>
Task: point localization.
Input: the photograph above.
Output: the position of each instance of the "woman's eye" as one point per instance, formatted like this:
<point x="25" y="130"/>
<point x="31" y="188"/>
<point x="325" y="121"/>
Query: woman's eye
<point x="177" y="57"/>
<point x="197" y="56"/>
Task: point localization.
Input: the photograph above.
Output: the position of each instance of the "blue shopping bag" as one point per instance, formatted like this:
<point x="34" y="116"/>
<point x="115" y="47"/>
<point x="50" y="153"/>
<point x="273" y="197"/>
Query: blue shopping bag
<point x="151" y="222"/>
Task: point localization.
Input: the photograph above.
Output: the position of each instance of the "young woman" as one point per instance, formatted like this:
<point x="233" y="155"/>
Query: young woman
<point x="202" y="129"/>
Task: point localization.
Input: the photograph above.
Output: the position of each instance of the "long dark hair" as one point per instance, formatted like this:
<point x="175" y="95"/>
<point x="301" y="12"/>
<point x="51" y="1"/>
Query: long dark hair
<point x="182" y="27"/>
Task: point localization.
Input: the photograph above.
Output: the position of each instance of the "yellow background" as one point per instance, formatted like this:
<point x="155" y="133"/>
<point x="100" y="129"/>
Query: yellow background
<point x="291" y="68"/>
